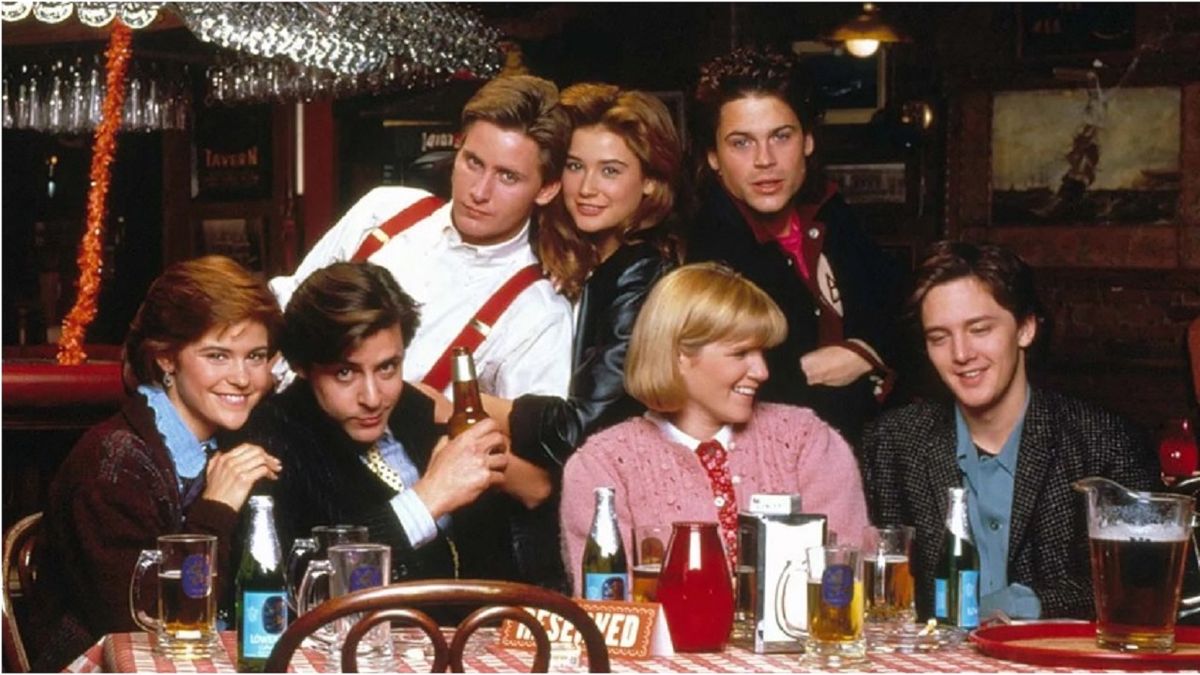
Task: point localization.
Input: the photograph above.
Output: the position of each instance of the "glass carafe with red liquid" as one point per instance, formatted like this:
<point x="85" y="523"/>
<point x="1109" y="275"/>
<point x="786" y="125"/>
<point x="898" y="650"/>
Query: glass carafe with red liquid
<point x="695" y="588"/>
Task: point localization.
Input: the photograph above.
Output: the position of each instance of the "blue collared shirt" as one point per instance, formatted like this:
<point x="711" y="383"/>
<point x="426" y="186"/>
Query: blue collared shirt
<point x="989" y="480"/>
<point x="189" y="453"/>
<point x="414" y="516"/>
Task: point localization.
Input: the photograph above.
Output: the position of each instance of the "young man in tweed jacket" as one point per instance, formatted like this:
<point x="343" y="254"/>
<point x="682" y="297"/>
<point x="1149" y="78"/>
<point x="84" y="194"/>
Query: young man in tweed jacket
<point x="1014" y="447"/>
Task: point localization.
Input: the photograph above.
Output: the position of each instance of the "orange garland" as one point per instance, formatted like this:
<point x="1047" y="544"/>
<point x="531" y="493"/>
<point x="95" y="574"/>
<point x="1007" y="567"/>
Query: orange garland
<point x="70" y="348"/>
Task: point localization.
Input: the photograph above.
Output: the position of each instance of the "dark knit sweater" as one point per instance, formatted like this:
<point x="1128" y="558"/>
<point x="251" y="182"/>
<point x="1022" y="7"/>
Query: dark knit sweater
<point x="116" y="492"/>
<point x="324" y="482"/>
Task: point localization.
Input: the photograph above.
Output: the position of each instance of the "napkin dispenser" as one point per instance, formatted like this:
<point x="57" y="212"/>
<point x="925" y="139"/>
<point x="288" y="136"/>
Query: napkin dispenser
<point x="767" y="541"/>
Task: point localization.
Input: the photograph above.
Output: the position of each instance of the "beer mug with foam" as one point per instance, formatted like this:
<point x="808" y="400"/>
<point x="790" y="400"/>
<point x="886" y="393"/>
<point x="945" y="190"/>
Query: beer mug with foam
<point x="1138" y="543"/>
<point x="354" y="567"/>
<point x="185" y="626"/>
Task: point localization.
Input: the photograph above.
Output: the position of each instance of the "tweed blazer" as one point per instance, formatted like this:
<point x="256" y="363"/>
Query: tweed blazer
<point x="910" y="461"/>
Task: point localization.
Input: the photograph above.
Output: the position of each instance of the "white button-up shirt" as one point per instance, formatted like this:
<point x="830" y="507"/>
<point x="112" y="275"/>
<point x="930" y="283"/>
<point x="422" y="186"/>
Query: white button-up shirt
<point x="528" y="350"/>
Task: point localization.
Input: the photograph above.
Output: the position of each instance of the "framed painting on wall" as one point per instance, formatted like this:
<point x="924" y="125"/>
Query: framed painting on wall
<point x="1085" y="156"/>
<point x="853" y="89"/>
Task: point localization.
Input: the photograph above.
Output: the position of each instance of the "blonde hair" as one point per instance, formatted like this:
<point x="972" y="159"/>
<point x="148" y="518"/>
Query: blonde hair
<point x="644" y="123"/>
<point x="693" y="306"/>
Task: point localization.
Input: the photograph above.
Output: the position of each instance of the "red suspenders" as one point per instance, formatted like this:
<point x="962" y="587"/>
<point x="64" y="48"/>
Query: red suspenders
<point x="477" y="329"/>
<point x="380" y="235"/>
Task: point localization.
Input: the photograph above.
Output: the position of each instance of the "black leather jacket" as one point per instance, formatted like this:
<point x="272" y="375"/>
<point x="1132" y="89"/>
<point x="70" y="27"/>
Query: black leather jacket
<point x="547" y="429"/>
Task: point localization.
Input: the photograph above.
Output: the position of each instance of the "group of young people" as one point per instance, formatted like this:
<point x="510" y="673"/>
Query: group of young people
<point x="688" y="357"/>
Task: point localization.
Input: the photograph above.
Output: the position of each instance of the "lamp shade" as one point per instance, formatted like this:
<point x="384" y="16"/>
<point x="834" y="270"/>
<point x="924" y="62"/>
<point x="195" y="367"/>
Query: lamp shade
<point x="863" y="33"/>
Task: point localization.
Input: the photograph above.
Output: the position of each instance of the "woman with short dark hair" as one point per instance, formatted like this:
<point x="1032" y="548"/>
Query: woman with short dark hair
<point x="198" y="358"/>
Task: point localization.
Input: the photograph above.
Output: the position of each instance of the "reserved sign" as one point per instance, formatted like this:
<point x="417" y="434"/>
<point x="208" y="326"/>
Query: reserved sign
<point x="630" y="629"/>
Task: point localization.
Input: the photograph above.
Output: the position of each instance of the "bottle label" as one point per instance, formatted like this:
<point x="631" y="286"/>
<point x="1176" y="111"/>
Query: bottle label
<point x="941" y="604"/>
<point x="604" y="586"/>
<point x="968" y="599"/>
<point x="264" y="618"/>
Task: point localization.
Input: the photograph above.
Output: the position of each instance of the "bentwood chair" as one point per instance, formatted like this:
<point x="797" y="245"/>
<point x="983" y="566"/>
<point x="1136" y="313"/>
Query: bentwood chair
<point x="402" y="603"/>
<point x="18" y="576"/>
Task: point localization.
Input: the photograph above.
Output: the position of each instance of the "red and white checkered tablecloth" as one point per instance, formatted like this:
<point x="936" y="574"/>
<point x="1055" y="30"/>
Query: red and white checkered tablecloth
<point x="133" y="652"/>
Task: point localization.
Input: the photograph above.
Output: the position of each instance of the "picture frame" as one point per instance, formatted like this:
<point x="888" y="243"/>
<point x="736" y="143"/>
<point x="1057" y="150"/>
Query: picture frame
<point x="1080" y="156"/>
<point x="853" y="88"/>
<point x="238" y="238"/>
<point x="1055" y="30"/>
<point x="872" y="183"/>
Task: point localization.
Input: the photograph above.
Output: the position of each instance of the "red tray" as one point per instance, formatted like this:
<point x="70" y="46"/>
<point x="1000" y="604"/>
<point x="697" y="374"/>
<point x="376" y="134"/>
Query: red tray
<point x="1073" y="645"/>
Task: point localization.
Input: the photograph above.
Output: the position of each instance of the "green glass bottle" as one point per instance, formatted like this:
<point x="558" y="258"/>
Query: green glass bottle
<point x="605" y="570"/>
<point x="261" y="592"/>
<point x="956" y="586"/>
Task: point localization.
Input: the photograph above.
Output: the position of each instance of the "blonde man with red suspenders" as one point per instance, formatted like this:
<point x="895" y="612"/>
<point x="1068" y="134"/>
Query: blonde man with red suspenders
<point x="468" y="263"/>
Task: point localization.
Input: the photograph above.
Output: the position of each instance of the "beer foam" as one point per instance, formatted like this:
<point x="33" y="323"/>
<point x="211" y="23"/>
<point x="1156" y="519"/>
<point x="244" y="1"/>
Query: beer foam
<point x="1127" y="532"/>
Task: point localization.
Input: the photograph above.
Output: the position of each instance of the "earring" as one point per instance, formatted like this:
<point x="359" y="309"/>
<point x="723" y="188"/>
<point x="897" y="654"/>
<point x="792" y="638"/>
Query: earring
<point x="168" y="380"/>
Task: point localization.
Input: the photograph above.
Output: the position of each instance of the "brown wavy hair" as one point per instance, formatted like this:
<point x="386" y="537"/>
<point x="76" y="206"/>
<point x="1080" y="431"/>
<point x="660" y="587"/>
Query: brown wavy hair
<point x="185" y="302"/>
<point x="644" y="123"/>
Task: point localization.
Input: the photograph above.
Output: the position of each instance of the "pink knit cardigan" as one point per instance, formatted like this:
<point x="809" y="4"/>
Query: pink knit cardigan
<point x="783" y="449"/>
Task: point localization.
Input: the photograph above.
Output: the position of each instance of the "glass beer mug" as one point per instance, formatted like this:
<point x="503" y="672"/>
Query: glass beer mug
<point x="834" y="606"/>
<point x="1138" y="543"/>
<point x="187" y="598"/>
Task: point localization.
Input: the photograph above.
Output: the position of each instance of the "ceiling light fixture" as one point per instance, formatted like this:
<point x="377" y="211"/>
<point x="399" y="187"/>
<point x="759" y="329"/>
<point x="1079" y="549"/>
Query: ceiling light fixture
<point x="863" y="33"/>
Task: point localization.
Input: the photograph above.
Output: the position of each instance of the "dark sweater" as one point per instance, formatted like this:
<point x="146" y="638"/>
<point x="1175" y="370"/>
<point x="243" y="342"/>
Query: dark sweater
<point x="112" y="497"/>
<point x="324" y="482"/>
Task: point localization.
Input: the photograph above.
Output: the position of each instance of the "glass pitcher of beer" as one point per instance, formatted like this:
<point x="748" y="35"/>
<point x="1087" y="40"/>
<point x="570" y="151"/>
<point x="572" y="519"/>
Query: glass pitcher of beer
<point x="1138" y="543"/>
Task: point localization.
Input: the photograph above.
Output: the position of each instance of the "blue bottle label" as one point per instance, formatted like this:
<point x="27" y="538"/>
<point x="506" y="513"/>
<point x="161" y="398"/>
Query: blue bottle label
<point x="264" y="618"/>
<point x="604" y="586"/>
<point x="941" y="606"/>
<point x="837" y="585"/>
<point x="968" y="599"/>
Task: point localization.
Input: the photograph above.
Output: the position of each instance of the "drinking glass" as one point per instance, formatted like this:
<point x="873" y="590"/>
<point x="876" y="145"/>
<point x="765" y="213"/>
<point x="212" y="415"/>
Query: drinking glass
<point x="649" y="549"/>
<point x="695" y="588"/>
<point x="306" y="549"/>
<point x="834" y="606"/>
<point x="187" y="603"/>
<point x="887" y="575"/>
<point x="353" y="567"/>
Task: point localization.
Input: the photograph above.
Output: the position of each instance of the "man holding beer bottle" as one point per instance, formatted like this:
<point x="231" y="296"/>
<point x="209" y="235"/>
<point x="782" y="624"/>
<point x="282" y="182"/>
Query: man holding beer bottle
<point x="361" y="447"/>
<point x="1013" y="447"/>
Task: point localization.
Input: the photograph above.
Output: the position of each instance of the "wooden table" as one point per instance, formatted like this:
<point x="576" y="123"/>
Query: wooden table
<point x="131" y="652"/>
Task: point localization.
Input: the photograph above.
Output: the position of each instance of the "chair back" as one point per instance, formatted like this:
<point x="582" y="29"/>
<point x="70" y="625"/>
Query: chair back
<point x="19" y="574"/>
<point x="402" y="603"/>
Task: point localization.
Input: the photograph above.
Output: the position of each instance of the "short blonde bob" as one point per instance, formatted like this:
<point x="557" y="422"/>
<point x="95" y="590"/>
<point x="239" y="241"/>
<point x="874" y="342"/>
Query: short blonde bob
<point x="694" y="305"/>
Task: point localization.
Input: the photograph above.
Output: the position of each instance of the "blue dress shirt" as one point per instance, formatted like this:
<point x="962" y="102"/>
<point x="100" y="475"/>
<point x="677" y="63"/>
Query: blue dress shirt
<point x="989" y="480"/>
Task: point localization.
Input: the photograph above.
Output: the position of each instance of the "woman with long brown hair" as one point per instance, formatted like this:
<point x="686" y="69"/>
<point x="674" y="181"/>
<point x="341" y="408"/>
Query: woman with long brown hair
<point x="605" y="240"/>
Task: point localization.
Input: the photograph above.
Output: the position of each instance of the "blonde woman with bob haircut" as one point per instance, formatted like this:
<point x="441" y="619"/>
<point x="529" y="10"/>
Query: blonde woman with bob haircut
<point x="696" y="362"/>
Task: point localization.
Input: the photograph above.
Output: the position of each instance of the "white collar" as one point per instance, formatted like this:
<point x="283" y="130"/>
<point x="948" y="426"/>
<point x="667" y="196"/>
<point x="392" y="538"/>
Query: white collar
<point x="724" y="435"/>
<point x="519" y="243"/>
